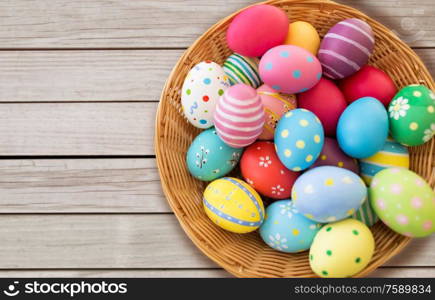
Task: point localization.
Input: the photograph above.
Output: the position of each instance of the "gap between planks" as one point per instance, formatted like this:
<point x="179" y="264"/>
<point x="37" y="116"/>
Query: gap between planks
<point x="171" y="23"/>
<point x="94" y="76"/>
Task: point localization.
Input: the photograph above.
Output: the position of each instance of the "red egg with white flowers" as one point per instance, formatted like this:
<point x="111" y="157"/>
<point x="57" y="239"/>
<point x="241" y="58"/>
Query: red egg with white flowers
<point x="326" y="101"/>
<point x="369" y="81"/>
<point x="262" y="169"/>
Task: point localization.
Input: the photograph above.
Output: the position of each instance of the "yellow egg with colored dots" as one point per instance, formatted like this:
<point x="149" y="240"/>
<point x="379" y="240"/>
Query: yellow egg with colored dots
<point x="304" y="35"/>
<point x="233" y="205"/>
<point x="341" y="249"/>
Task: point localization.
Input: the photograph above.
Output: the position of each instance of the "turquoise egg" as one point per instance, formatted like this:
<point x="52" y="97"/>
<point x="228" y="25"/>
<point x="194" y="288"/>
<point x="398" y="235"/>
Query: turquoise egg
<point x="209" y="157"/>
<point x="286" y="230"/>
<point x="299" y="139"/>
<point x="328" y="194"/>
<point x="363" y="128"/>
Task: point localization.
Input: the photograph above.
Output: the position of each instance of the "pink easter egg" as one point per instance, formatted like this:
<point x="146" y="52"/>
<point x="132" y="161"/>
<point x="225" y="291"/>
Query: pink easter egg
<point x="290" y="69"/>
<point x="275" y="105"/>
<point x="257" y="29"/>
<point x="239" y="116"/>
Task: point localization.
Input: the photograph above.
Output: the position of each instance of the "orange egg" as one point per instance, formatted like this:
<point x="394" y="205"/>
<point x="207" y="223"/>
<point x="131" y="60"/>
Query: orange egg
<point x="275" y="105"/>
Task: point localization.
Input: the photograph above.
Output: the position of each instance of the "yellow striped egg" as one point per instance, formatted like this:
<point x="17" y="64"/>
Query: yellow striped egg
<point x="391" y="155"/>
<point x="233" y="205"/>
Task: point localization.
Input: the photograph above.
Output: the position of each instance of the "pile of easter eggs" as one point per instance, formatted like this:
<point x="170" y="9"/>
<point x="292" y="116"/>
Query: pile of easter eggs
<point x="320" y="135"/>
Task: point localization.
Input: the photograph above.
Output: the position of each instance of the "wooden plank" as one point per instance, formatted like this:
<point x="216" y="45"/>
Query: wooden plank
<point x="122" y="241"/>
<point x="77" y="129"/>
<point x="38" y="76"/>
<point x="171" y="23"/>
<point x="96" y="241"/>
<point x="384" y="272"/>
<point x="117" y="75"/>
<point x="81" y="186"/>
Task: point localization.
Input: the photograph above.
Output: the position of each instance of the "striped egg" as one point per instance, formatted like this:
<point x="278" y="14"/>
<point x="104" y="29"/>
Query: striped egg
<point x="366" y="214"/>
<point x="275" y="105"/>
<point x="239" y="116"/>
<point x="233" y="205"/>
<point x="242" y="69"/>
<point x="346" y="48"/>
<point x="392" y="154"/>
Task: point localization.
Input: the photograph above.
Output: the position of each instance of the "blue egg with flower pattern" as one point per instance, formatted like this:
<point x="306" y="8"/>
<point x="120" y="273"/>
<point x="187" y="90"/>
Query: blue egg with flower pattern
<point x="209" y="158"/>
<point x="285" y="229"/>
<point x="299" y="138"/>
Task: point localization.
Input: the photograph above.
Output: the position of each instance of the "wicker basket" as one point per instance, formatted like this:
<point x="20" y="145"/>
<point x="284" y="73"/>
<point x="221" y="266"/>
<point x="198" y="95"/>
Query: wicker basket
<point x="247" y="255"/>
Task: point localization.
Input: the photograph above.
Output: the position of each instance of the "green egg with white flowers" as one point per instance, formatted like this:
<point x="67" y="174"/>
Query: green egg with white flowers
<point x="412" y="115"/>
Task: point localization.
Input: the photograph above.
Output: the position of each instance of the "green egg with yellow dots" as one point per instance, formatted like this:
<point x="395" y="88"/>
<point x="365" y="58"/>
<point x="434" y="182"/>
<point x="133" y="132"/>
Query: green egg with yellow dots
<point x="412" y="115"/>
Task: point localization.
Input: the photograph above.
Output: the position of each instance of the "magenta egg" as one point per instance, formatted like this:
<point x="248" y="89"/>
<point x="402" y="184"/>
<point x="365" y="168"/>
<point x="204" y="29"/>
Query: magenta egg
<point x="290" y="69"/>
<point x="239" y="116"/>
<point x="257" y="29"/>
<point x="332" y="155"/>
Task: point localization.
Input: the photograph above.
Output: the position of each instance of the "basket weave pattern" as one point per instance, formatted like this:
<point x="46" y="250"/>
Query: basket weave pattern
<point x="247" y="255"/>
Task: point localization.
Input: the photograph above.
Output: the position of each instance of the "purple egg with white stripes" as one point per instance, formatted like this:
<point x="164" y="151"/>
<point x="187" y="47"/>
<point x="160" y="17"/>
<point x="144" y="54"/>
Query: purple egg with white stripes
<point x="346" y="48"/>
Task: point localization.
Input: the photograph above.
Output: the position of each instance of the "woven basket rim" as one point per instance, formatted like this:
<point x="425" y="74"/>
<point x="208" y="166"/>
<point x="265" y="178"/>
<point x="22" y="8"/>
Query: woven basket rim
<point x="159" y="131"/>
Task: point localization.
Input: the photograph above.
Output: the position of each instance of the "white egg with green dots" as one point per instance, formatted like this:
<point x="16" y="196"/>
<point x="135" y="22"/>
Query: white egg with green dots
<point x="341" y="249"/>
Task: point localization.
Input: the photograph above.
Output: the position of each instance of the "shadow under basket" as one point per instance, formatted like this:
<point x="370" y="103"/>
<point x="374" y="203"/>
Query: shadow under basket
<point x="246" y="255"/>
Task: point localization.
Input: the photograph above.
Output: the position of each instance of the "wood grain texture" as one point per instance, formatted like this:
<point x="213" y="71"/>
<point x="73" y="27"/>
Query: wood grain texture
<point x="385" y="272"/>
<point x="77" y="129"/>
<point x="123" y="241"/>
<point x="171" y="23"/>
<point x="102" y="75"/>
<point x="38" y="76"/>
<point x="81" y="186"/>
<point x="101" y="217"/>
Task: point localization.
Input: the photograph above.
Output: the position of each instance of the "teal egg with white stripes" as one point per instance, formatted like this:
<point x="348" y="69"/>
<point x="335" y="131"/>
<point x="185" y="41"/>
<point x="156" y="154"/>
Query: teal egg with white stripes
<point x="242" y="69"/>
<point x="366" y="214"/>
<point x="391" y="155"/>
<point x="287" y="230"/>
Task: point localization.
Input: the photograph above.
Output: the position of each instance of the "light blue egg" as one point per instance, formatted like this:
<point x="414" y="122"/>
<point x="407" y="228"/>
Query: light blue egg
<point x="363" y="128"/>
<point x="299" y="139"/>
<point x="209" y="157"/>
<point x="328" y="194"/>
<point x="286" y="230"/>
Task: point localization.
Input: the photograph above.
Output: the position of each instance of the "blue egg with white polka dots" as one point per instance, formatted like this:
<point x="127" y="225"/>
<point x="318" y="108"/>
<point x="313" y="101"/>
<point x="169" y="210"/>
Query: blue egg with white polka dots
<point x="209" y="158"/>
<point x="299" y="139"/>
<point x="285" y="229"/>
<point x="327" y="194"/>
